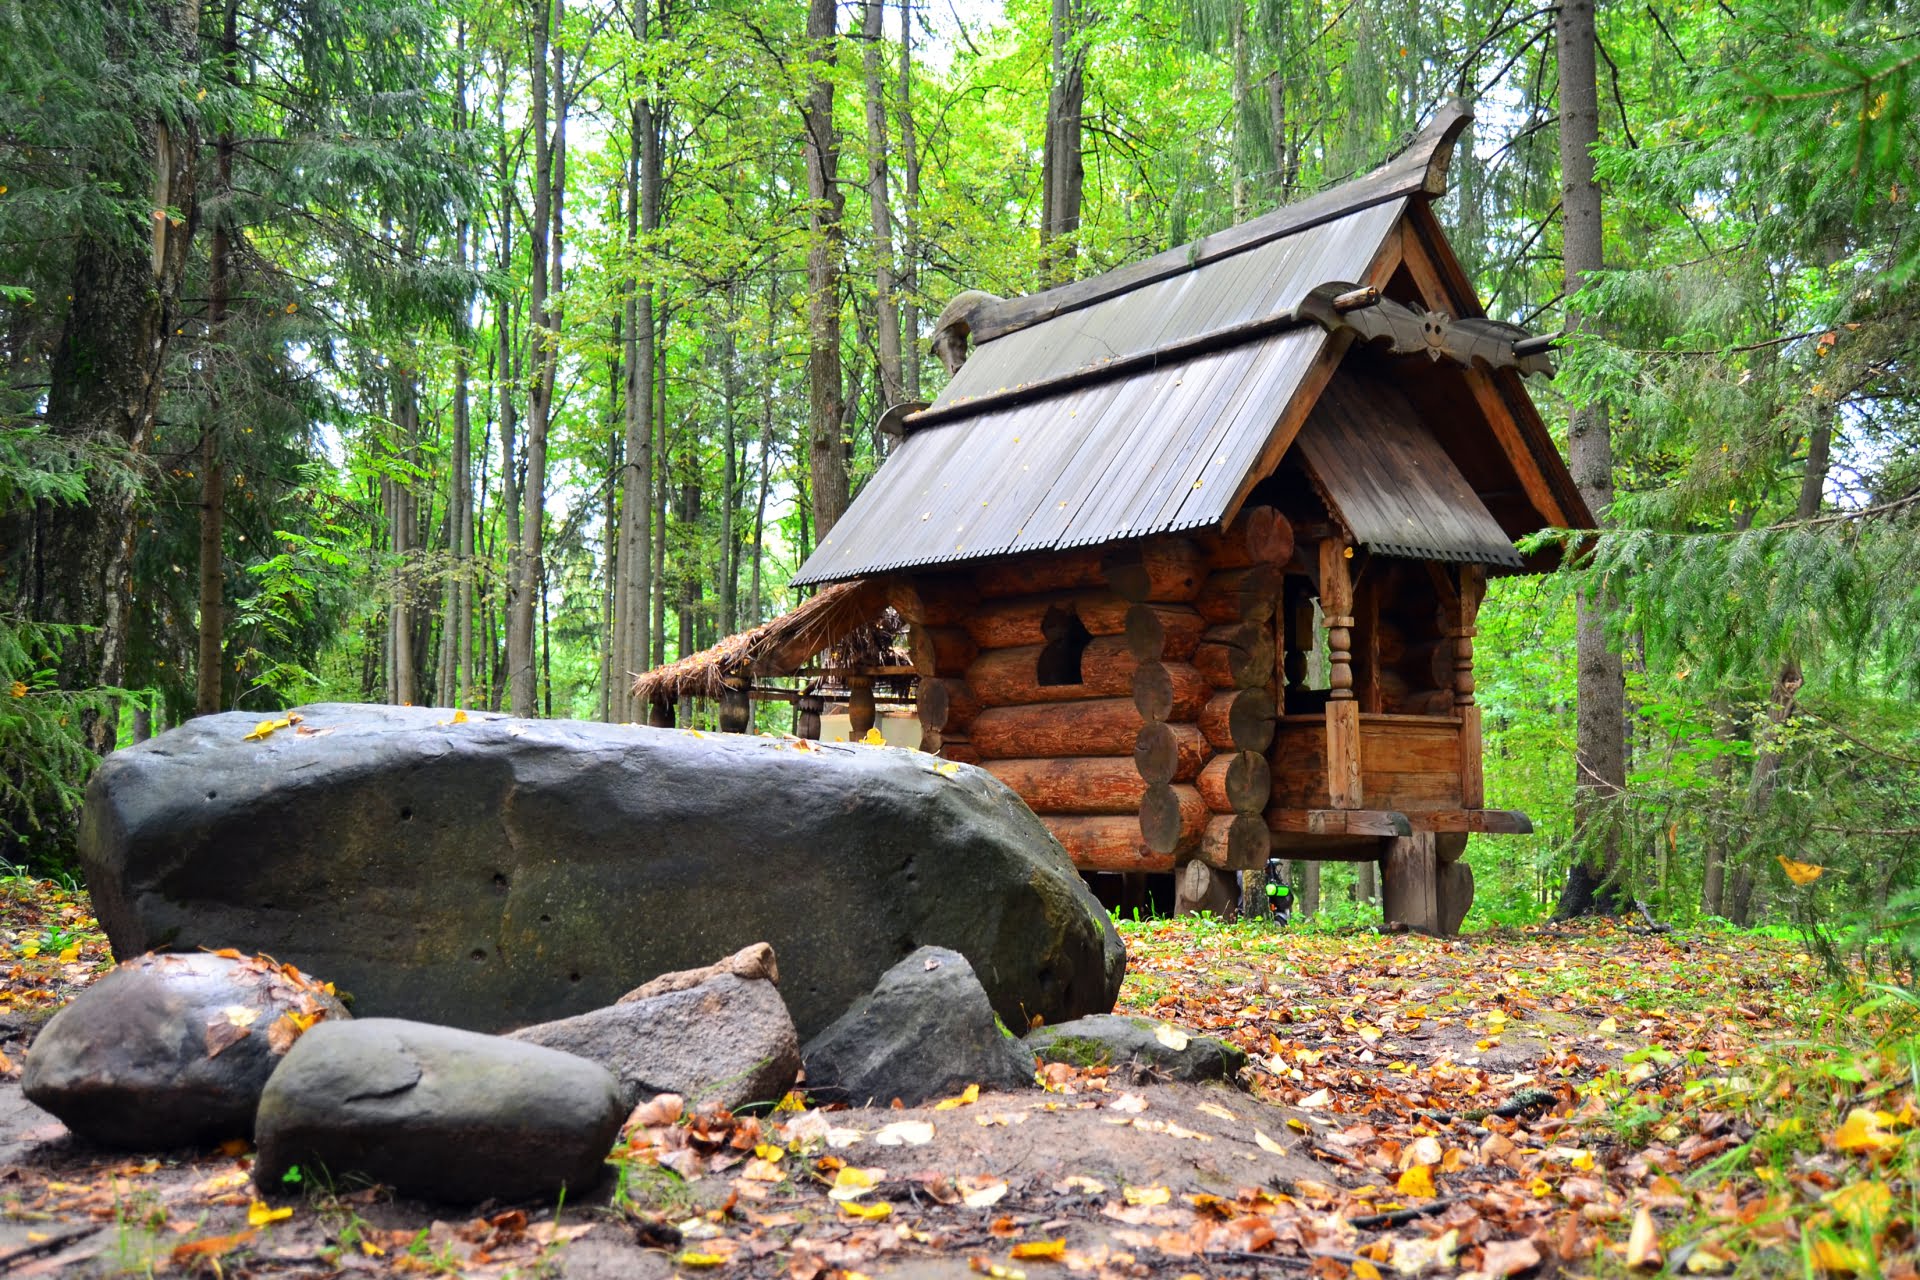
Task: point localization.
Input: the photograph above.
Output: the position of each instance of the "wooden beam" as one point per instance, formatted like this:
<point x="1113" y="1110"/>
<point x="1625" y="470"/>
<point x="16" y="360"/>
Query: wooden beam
<point x="1340" y="822"/>
<point x="1489" y="822"/>
<point x="1410" y="884"/>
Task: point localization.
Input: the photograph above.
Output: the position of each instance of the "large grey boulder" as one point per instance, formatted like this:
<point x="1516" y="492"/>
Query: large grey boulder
<point x="718" y="1034"/>
<point x="925" y="1031"/>
<point x="171" y="1050"/>
<point x="433" y="1112"/>
<point x="498" y="872"/>
<point x="1145" y="1048"/>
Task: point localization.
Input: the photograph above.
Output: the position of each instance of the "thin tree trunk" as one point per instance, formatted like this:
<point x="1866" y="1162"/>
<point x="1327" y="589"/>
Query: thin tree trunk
<point x="1242" y="147"/>
<point x="406" y="416"/>
<point x="909" y="246"/>
<point x="612" y="703"/>
<point x="1600" y="741"/>
<point x="661" y="491"/>
<point x="543" y="338"/>
<point x="637" y="549"/>
<point x="729" y="466"/>
<point x="211" y="662"/>
<point x="1063" y="173"/>
<point x="885" y="304"/>
<point x="826" y="441"/>
<point x="506" y="322"/>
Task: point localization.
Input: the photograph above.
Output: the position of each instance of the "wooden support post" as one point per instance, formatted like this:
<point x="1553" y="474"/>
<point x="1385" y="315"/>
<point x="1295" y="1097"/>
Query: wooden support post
<point x="1454" y="892"/>
<point x="1473" y="784"/>
<point x="1410" y="884"/>
<point x="807" y="717"/>
<point x="736" y="704"/>
<point x="860" y="710"/>
<point x="1199" y="887"/>
<point x="1343" y="712"/>
<point x="1296" y="622"/>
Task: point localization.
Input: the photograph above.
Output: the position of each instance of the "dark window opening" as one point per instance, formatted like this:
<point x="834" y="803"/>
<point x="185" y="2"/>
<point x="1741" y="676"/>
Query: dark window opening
<point x="1067" y="640"/>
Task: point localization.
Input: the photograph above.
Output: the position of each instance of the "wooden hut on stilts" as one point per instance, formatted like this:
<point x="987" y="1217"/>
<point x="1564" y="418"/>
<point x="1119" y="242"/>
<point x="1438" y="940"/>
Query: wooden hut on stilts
<point x="1150" y="506"/>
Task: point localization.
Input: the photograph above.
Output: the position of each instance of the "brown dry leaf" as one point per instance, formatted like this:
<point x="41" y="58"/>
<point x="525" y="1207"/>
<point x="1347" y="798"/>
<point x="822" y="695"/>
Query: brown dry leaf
<point x="1508" y="1257"/>
<point x="211" y="1247"/>
<point x="223" y="1034"/>
<point x="981" y="1191"/>
<point x="1643" y="1242"/>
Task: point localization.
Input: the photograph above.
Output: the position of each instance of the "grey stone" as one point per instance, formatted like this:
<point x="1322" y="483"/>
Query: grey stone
<point x="434" y="1112"/>
<point x="925" y="1031"/>
<point x="1113" y="1040"/>
<point x="499" y="872"/>
<point x="170" y="1050"/>
<point x="727" y="1040"/>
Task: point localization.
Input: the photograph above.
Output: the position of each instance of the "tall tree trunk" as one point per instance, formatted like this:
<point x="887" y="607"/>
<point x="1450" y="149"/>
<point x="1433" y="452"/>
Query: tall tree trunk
<point x="1600" y="741"/>
<point x="886" y="310"/>
<point x="729" y="466"/>
<point x="458" y="626"/>
<point x="909" y="245"/>
<point x="210" y="665"/>
<point x="1062" y="172"/>
<point x="507" y="375"/>
<point x="661" y="491"/>
<point x="612" y="703"/>
<point x="755" y="606"/>
<point x="826" y="438"/>
<point x="1242" y="118"/>
<point x="406" y="419"/>
<point x="543" y="333"/>
<point x="106" y="377"/>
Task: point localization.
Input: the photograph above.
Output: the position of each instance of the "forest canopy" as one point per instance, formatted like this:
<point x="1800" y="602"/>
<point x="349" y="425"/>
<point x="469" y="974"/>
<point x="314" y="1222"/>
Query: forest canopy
<point x="485" y="354"/>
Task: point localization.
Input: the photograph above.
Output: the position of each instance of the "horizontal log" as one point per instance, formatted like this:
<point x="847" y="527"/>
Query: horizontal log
<point x="1238" y="720"/>
<point x="1010" y="677"/>
<point x="940" y="651"/>
<point x="1236" y="782"/>
<point x="1240" y="656"/>
<point x="958" y="747"/>
<point x="1236" y="842"/>
<point x="1170" y="752"/>
<point x="1172" y="818"/>
<point x="1259" y="535"/>
<point x="1406" y="792"/>
<point x="1040" y="571"/>
<point x="933" y="599"/>
<point x="1169" y="691"/>
<point x="1236" y="595"/>
<point x="1074" y="784"/>
<point x="1005" y="624"/>
<point x="1164" y="569"/>
<point x="1093" y="727"/>
<point x="946" y="703"/>
<point x="1107" y="844"/>
<point x="1312" y="848"/>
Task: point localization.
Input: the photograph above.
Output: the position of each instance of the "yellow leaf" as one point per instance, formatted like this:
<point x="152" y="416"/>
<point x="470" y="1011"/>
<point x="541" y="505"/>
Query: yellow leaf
<point x="770" y="1153"/>
<point x="1041" y="1249"/>
<point x="1800" y="872"/>
<point x="948" y="769"/>
<point x="968" y="1096"/>
<point x="459" y="717"/>
<point x="1608" y="1026"/>
<point x="871" y="1212"/>
<point x="260" y="1213"/>
<point x="264" y="728"/>
<point x="1147" y="1195"/>
<point x="851" y="1183"/>
<point x="1170" y="1036"/>
<point x="70" y="955"/>
<point x="1417" y="1181"/>
<point x="1864" y="1204"/>
<point x="874" y="738"/>
<point x="1862" y="1132"/>
<point x="688" y="1258"/>
<point x="1365" y="1270"/>
<point x="372" y="1250"/>
<point x="1268" y="1145"/>
<point x="1832" y="1255"/>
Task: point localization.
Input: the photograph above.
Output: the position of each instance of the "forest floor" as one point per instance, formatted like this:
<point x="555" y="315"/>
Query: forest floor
<point x="1581" y="1100"/>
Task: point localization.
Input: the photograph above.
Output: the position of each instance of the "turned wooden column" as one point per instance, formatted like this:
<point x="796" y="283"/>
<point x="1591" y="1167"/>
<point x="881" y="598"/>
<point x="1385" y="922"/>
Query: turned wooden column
<point x="860" y="710"/>
<point x="1463" y="613"/>
<point x="736" y="704"/>
<point x="1343" y="711"/>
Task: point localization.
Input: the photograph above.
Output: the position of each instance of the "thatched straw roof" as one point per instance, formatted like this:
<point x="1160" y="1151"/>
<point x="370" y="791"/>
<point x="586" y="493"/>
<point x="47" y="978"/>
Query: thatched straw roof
<point x="845" y="617"/>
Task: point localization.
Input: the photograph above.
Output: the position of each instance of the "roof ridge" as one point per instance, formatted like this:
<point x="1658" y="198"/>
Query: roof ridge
<point x="1419" y="169"/>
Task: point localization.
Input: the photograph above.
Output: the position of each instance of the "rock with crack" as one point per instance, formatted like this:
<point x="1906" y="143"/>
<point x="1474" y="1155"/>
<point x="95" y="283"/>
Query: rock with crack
<point x="172" y="1050"/>
<point x="449" y="1116"/>
<point x="925" y="1031"/>
<point x="488" y="873"/>
<point x="1142" y="1047"/>
<point x="720" y="1034"/>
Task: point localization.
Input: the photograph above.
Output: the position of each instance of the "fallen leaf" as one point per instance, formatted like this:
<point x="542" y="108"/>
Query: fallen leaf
<point x="1318" y="1098"/>
<point x="1508" y="1257"/>
<point x="851" y="1183"/>
<point x="871" y="1212"/>
<point x="1643" y="1242"/>
<point x="1146" y="1195"/>
<point x="978" y="1192"/>
<point x="265" y="728"/>
<point x="1218" y="1112"/>
<point x="1417" y="1181"/>
<point x="1267" y="1144"/>
<point x="1861" y="1131"/>
<point x="904" y="1133"/>
<point x="1051" y="1249"/>
<point x="1834" y="1256"/>
<point x="1170" y="1036"/>
<point x="1080" y="1184"/>
<point x="1863" y="1204"/>
<point x="1608" y="1026"/>
<point x="211" y="1247"/>
<point x="968" y="1096"/>
<point x="260" y="1213"/>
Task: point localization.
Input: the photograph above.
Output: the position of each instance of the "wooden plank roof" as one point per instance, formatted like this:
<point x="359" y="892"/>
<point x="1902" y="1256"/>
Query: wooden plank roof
<point x="1384" y="476"/>
<point x="1136" y="403"/>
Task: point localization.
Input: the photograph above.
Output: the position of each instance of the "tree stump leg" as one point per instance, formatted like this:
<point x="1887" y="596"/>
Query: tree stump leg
<point x="1410" y="883"/>
<point x="1199" y="887"/>
<point x="1455" y="893"/>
